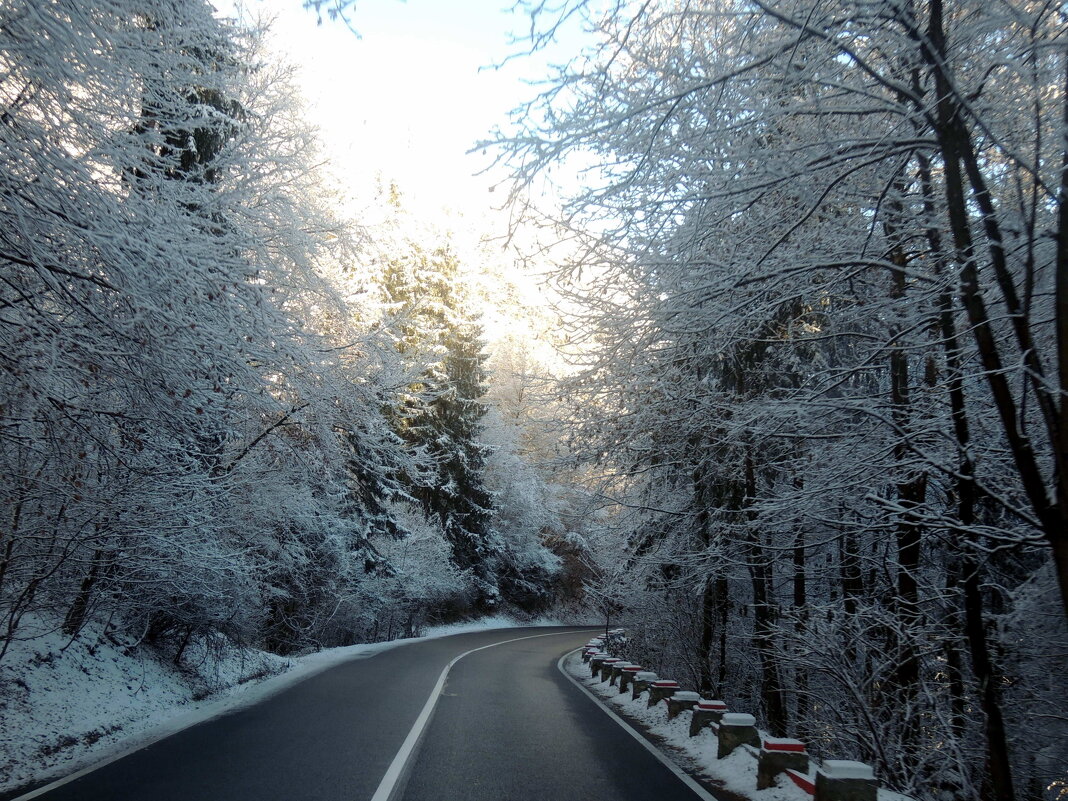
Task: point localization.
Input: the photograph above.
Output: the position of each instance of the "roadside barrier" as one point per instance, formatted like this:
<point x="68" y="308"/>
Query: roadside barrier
<point x="660" y="690"/>
<point x="642" y="680"/>
<point x="606" y="667"/>
<point x="778" y="755"/>
<point x="681" y="700"/>
<point x="845" y="780"/>
<point x="595" y="663"/>
<point x="615" y="673"/>
<point x="627" y="676"/>
<point x="705" y="713"/>
<point x="735" y="729"/>
<point x="831" y="780"/>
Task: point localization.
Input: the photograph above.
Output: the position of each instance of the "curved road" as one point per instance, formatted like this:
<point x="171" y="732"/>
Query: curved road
<point x="507" y="725"/>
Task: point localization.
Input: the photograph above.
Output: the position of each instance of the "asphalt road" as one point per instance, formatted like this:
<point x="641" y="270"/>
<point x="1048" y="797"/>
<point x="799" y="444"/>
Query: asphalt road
<point x="507" y="725"/>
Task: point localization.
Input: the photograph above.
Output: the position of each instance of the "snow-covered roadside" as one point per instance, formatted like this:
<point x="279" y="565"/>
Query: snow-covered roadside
<point x="66" y="706"/>
<point x="735" y="773"/>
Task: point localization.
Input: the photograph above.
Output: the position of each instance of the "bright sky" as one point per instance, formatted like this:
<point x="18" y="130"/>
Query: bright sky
<point x="404" y="98"/>
<point x="409" y="95"/>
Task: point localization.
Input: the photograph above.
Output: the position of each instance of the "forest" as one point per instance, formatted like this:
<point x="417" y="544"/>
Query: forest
<point x="218" y="417"/>
<point x="805" y="433"/>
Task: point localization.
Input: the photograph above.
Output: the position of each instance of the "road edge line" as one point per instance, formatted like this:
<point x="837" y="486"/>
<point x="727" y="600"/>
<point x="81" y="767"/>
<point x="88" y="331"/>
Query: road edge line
<point x="396" y="774"/>
<point x="686" y="779"/>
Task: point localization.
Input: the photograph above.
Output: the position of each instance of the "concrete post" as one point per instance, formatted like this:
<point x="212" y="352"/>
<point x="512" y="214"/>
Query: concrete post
<point x="704" y="713"/>
<point x="642" y="680"/>
<point x="610" y="672"/>
<point x="735" y="729"/>
<point x="627" y="676"/>
<point x="616" y="672"/>
<point x="682" y="699"/>
<point x="606" y="667"/>
<point x="661" y="689"/>
<point x="778" y="755"/>
<point x="845" y="780"/>
<point x="595" y="663"/>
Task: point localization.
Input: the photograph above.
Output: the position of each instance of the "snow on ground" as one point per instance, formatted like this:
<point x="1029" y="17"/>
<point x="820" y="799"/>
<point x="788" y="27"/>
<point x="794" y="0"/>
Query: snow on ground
<point x="735" y="773"/>
<point x="65" y="706"/>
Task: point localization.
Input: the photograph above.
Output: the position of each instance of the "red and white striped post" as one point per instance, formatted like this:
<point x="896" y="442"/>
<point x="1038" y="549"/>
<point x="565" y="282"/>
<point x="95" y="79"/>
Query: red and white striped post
<point x="845" y="780"/>
<point x="606" y="667"/>
<point x="595" y="662"/>
<point x="627" y="675"/>
<point x="616" y="671"/>
<point x="704" y="713"/>
<point x="777" y="755"/>
<point x="642" y="680"/>
<point x="661" y="689"/>
<point x="735" y="729"/>
<point x="681" y="700"/>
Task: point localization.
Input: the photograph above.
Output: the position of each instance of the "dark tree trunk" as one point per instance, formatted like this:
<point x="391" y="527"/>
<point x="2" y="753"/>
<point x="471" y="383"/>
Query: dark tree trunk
<point x="911" y="484"/>
<point x="952" y="139"/>
<point x="800" y="602"/>
<point x="764" y="619"/>
<point x="955" y="145"/>
<point x="708" y="631"/>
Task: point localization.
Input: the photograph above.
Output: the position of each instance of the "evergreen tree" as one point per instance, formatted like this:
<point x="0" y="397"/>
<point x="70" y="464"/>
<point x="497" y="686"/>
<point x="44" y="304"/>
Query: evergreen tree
<point x="439" y="413"/>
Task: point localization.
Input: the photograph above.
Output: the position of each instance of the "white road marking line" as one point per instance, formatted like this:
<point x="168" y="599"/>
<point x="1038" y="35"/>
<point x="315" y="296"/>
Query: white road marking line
<point x="700" y="791"/>
<point x="391" y="781"/>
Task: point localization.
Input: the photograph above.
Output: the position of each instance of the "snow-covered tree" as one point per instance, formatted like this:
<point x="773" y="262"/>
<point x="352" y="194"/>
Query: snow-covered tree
<point x="439" y="412"/>
<point x="817" y="291"/>
<point x="183" y="397"/>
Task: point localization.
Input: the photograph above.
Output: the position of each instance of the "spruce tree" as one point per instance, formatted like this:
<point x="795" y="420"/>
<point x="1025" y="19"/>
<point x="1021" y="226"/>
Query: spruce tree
<point x="439" y="413"/>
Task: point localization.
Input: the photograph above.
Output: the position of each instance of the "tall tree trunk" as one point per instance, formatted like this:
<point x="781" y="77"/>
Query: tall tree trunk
<point x="723" y="619"/>
<point x="800" y="603"/>
<point x="764" y="616"/>
<point x="708" y="630"/>
<point x="708" y="591"/>
<point x="75" y="617"/>
<point x="1059" y="537"/>
<point x="911" y="483"/>
<point x="850" y="575"/>
<point x="998" y="782"/>
<point x="955" y="146"/>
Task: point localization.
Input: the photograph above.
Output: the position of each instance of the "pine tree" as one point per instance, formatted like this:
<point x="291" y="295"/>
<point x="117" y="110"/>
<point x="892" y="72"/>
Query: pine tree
<point x="439" y="413"/>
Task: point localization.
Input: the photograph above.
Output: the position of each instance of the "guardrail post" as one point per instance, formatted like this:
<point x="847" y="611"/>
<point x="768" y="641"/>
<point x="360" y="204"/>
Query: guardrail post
<point x="735" y="729"/>
<point x="682" y="699"/>
<point x="627" y="675"/>
<point x="845" y="780"/>
<point x="661" y="689"/>
<point x="642" y="680"/>
<point x="704" y="713"/>
<point x="595" y="663"/>
<point x="777" y="755"/>
<point x="606" y="667"/>
<point x="616" y="672"/>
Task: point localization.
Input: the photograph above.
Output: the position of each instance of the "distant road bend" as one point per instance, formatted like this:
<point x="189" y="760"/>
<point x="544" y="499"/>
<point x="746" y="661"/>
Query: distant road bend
<point x="504" y="725"/>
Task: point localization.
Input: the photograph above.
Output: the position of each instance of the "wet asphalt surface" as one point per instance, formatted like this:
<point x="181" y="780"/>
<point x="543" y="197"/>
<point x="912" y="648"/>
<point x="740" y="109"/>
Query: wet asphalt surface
<point x="507" y="726"/>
